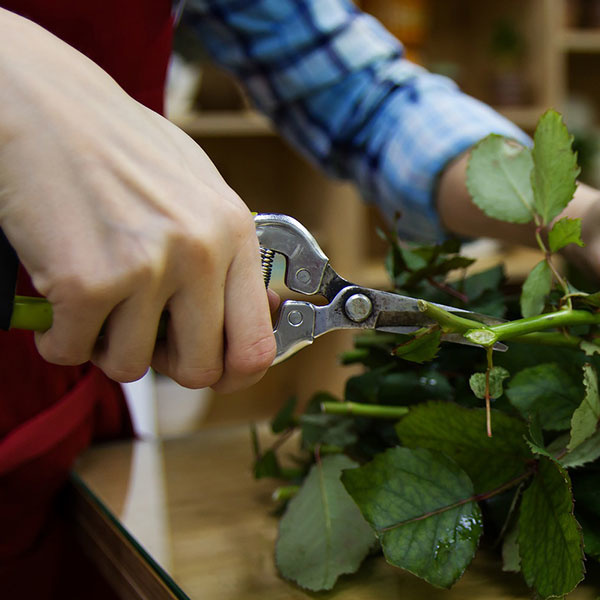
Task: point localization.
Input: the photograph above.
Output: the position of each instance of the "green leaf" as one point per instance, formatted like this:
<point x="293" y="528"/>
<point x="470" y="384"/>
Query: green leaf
<point x="409" y="387"/>
<point x="332" y="430"/>
<point x="583" y="454"/>
<point x="555" y="166"/>
<point x="451" y="264"/>
<point x="584" y="422"/>
<point x="535" y="289"/>
<point x="422" y="508"/>
<point x="460" y="433"/>
<point x="285" y="417"/>
<point x="412" y="260"/>
<point x="535" y="430"/>
<point x="565" y="231"/>
<point x="550" y="540"/>
<point x="422" y="348"/>
<point x="322" y="534"/>
<point x="364" y="388"/>
<point x="535" y="439"/>
<point x="267" y="465"/>
<point x="591" y="299"/>
<point x="479" y="283"/>
<point x="481" y="290"/>
<point x="477" y="381"/>
<point x="511" y="562"/>
<point x="589" y="348"/>
<point x="499" y="179"/>
<point x="539" y="449"/>
<point x="548" y="390"/>
<point x="490" y="303"/>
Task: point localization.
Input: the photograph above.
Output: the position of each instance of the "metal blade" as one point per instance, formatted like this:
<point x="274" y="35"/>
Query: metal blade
<point x="455" y="338"/>
<point x="401" y="314"/>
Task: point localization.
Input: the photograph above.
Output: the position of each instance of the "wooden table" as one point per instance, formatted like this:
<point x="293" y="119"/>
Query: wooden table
<point x="183" y="518"/>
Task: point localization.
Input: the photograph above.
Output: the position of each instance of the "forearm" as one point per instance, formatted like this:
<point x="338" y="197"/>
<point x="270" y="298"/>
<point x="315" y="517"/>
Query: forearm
<point x="43" y="79"/>
<point x="351" y="102"/>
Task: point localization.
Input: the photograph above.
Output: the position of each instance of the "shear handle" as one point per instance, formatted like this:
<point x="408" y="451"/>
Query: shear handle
<point x="305" y="261"/>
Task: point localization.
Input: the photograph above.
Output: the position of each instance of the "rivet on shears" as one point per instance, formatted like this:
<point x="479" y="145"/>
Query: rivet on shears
<point x="358" y="307"/>
<point x="303" y="275"/>
<point x="295" y="318"/>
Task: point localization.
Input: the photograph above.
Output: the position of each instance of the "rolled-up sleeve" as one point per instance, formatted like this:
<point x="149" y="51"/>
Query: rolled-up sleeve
<point x="336" y="85"/>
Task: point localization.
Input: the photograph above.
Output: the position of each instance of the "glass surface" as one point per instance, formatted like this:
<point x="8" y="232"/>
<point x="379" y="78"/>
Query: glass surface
<point x="199" y="519"/>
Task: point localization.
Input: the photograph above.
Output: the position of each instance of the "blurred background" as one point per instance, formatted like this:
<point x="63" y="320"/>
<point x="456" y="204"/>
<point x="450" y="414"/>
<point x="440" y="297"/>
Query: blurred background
<point x="520" y="56"/>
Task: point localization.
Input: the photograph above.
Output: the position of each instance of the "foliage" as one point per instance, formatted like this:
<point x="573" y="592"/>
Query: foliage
<point x="434" y="452"/>
<point x="322" y="534"/>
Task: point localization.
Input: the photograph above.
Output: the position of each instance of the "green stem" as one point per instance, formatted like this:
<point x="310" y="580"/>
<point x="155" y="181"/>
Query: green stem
<point x="488" y="408"/>
<point x="527" y="330"/>
<point x="450" y="322"/>
<point x="375" y="411"/>
<point x="561" y="318"/>
<point x="285" y="492"/>
<point x="548" y="255"/>
<point x="549" y="338"/>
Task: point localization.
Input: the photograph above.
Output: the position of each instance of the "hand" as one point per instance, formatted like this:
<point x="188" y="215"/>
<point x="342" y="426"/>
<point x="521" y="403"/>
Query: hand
<point x="118" y="215"/>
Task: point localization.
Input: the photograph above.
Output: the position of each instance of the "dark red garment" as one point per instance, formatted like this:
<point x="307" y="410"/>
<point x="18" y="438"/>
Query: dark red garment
<point x="49" y="414"/>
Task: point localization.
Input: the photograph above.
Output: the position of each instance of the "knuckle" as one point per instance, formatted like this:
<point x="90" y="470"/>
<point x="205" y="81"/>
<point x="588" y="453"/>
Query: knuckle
<point x="196" y="377"/>
<point x="255" y="357"/>
<point x="61" y="355"/>
<point x="232" y="224"/>
<point x="123" y="373"/>
<point x="243" y="225"/>
<point x="74" y="290"/>
<point x="193" y="244"/>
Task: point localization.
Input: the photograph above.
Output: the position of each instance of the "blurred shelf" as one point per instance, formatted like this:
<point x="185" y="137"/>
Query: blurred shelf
<point x="245" y="123"/>
<point x="580" y="40"/>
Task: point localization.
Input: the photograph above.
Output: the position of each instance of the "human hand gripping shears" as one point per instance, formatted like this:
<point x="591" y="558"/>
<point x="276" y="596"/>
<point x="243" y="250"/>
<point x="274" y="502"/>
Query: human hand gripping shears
<point x="308" y="272"/>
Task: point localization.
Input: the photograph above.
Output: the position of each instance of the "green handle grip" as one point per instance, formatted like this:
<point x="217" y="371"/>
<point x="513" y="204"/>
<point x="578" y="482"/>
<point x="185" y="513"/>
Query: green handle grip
<point x="31" y="313"/>
<point x="35" y="314"/>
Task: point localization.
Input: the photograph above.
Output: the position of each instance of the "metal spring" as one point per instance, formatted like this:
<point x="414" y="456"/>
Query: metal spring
<point x="266" y="258"/>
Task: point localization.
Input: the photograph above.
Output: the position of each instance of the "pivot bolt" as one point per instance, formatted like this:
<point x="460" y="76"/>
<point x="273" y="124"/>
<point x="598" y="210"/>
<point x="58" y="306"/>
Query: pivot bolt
<point x="295" y="318"/>
<point x="303" y="275"/>
<point x="358" y="307"/>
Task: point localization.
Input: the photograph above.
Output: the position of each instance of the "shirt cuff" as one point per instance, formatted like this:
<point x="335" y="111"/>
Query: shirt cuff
<point x="429" y="123"/>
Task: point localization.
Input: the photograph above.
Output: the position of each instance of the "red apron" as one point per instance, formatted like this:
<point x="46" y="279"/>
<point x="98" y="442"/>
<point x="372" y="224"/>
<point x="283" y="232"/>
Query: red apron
<point x="49" y="414"/>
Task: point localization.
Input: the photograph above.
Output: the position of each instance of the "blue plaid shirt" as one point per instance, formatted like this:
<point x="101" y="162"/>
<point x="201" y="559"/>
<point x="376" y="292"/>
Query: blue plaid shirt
<point x="336" y="85"/>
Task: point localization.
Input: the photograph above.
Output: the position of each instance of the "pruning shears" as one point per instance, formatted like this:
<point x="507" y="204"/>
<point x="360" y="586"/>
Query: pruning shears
<point x="308" y="272"/>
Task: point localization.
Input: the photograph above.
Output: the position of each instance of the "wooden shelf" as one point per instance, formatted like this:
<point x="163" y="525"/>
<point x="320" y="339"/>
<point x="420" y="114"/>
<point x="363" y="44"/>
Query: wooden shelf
<point x="224" y="124"/>
<point x="580" y="40"/>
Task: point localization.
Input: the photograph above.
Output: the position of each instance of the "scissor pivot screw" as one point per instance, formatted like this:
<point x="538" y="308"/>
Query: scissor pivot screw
<point x="303" y="275"/>
<point x="295" y="318"/>
<point x="358" y="307"/>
